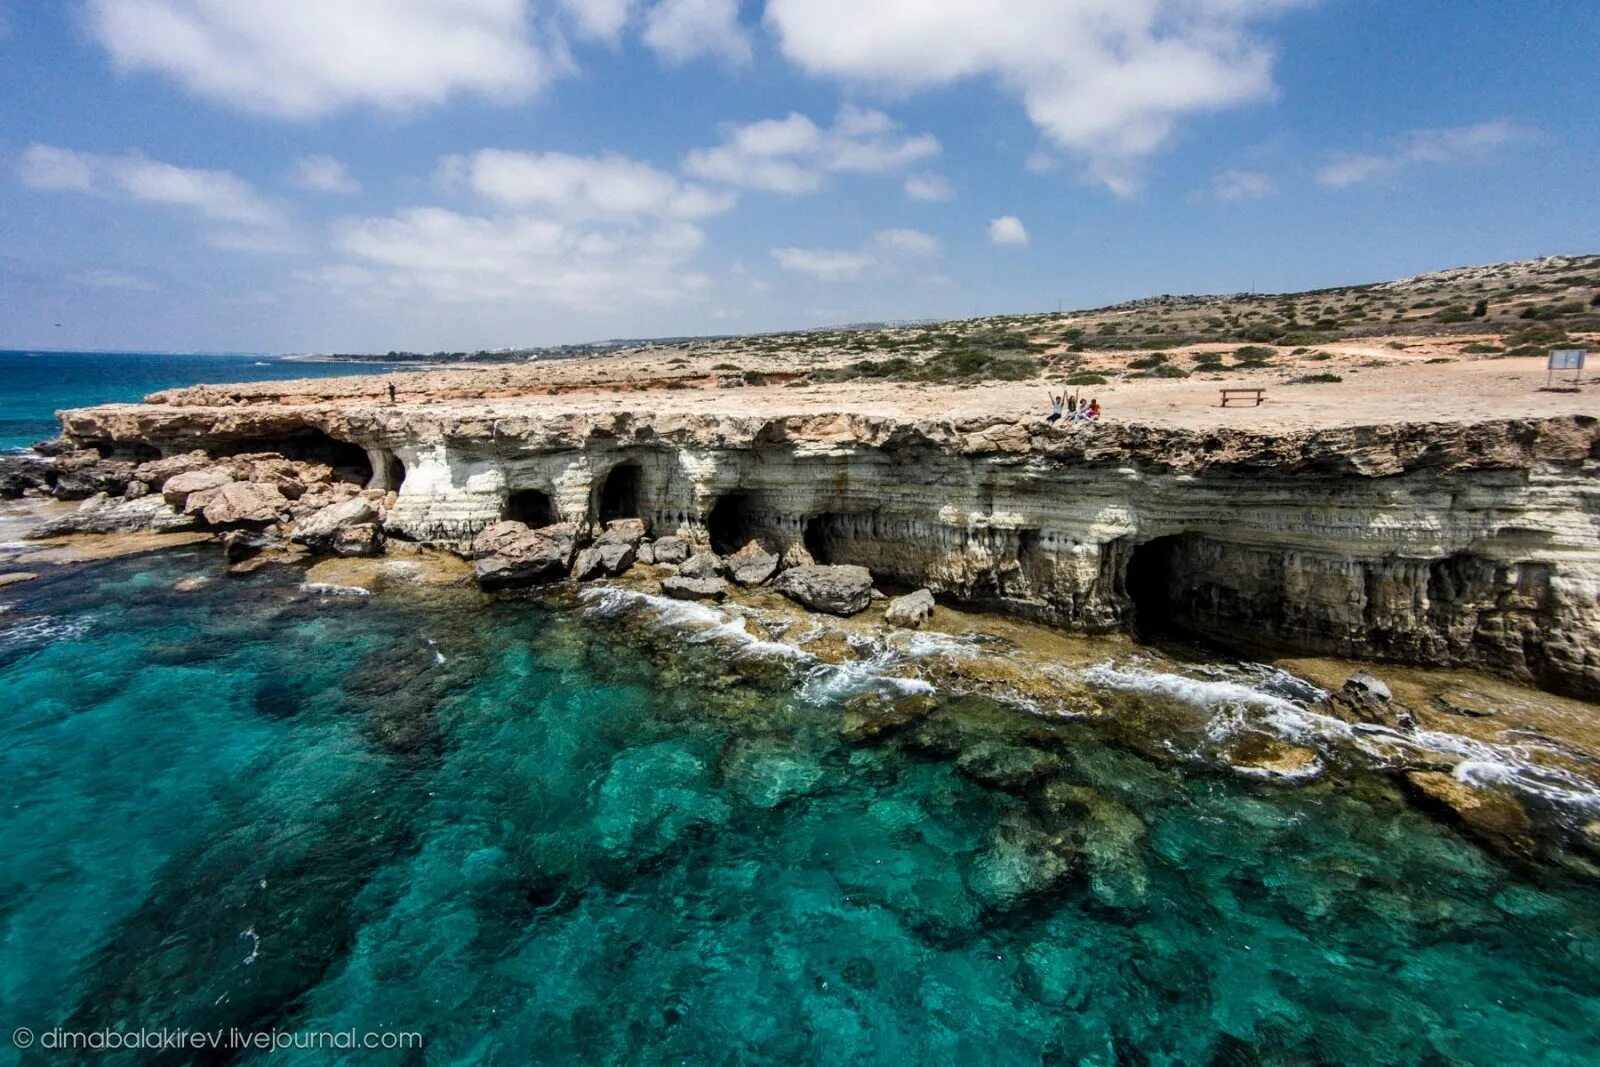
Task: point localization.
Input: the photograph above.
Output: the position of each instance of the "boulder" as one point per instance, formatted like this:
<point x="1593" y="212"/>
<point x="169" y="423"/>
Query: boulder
<point x="838" y="590"/>
<point x="623" y="531"/>
<point x="55" y="446"/>
<point x="358" y="539"/>
<point x="702" y="565"/>
<point x="85" y="480"/>
<point x="911" y="610"/>
<point x="606" y="559"/>
<point x="1004" y="766"/>
<point x="645" y="553"/>
<point x="797" y="555"/>
<point x="1366" y="700"/>
<point x="752" y="564"/>
<point x="240" y="545"/>
<point x="1496" y="819"/>
<point x="16" y="578"/>
<point x="157" y="472"/>
<point x="101" y="514"/>
<point x="135" y="489"/>
<point x="177" y="489"/>
<point x="671" y="549"/>
<point x="694" y="588"/>
<point x="508" y="553"/>
<point x="319" y="530"/>
<point x="240" y="503"/>
<point x="19" y="474"/>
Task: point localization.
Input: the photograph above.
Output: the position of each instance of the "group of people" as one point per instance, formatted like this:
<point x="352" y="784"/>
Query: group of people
<point x="1075" y="410"/>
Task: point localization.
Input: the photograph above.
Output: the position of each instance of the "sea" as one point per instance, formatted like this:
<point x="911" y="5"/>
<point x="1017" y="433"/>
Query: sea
<point x="424" y="826"/>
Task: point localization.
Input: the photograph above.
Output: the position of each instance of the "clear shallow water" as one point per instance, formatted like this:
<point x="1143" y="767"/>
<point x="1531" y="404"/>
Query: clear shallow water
<point x="573" y="842"/>
<point x="34" y="385"/>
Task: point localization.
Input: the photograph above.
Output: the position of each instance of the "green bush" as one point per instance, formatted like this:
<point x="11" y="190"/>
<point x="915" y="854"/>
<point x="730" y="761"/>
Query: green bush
<point x="1087" y="379"/>
<point x="1453" y="313"/>
<point x="1169" y="370"/>
<point x="725" y="366"/>
<point x="1253" y="353"/>
<point x="1320" y="356"/>
<point x="1314" y="379"/>
<point x="1477" y="348"/>
<point x="1480" y="309"/>
<point x="1154" y="359"/>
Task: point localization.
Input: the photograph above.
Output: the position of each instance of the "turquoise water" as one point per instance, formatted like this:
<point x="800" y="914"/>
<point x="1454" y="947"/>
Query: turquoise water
<point x="534" y="835"/>
<point x="34" y="385"/>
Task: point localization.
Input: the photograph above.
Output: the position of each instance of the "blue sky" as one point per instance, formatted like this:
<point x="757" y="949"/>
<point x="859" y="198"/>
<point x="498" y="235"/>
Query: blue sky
<point x="360" y="175"/>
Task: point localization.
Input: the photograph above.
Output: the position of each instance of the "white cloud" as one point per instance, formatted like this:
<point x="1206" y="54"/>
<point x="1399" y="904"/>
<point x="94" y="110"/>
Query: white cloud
<point x="1107" y="79"/>
<point x="1007" y="230"/>
<point x="100" y="278"/>
<point x="305" y="58"/>
<point x="1241" y="185"/>
<point x="447" y="257"/>
<point x="601" y="20"/>
<point x="1445" y="145"/>
<point x="681" y="30"/>
<point x="575" y="187"/>
<point x="323" y="174"/>
<point x="906" y="242"/>
<point x="217" y="195"/>
<point x="53" y="169"/>
<point x="928" y="187"/>
<point x="794" y="155"/>
<point x="823" y="264"/>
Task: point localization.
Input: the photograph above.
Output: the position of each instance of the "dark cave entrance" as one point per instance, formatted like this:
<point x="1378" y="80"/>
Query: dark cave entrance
<point x="619" y="495"/>
<point x="531" y="507"/>
<point x="731" y="523"/>
<point x="818" y="537"/>
<point x="1152" y="580"/>
<point x="389" y="472"/>
<point x="349" y="461"/>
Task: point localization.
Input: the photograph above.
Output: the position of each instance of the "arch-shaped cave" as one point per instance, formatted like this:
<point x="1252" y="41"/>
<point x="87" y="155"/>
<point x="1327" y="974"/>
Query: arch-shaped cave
<point x="388" y="470"/>
<point x="350" y="462"/>
<point x="531" y="507"/>
<point x="816" y="537"/>
<point x="1153" y="581"/>
<point x="619" y="493"/>
<point x="732" y="523"/>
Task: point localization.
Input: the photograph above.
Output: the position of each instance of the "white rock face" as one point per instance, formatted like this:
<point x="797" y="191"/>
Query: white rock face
<point x="1453" y="544"/>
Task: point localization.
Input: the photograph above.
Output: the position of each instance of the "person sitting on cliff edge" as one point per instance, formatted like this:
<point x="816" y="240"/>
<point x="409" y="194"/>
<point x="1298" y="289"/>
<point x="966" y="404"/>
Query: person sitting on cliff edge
<point x="1055" y="407"/>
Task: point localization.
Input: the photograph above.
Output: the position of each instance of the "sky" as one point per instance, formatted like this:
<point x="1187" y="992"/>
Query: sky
<point x="367" y="175"/>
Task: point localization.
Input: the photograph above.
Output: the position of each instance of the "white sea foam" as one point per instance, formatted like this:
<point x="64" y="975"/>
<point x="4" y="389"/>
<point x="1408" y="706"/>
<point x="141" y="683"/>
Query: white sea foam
<point x="438" y="657"/>
<point x="333" y="589"/>
<point x="31" y="634"/>
<point x="700" y="622"/>
<point x="1201" y="692"/>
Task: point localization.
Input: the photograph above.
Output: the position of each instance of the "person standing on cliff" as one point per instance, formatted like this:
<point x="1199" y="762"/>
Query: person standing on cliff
<point x="391" y="392"/>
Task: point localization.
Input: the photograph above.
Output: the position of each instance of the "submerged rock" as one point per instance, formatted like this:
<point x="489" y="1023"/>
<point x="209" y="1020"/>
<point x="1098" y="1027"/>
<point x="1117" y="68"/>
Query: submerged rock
<point x="911" y="610"/>
<point x="873" y="714"/>
<point x="837" y="590"/>
<point x="1003" y="766"/>
<point x="752" y="564"/>
<point x="1113" y="841"/>
<point x="1021" y="861"/>
<point x="240" y="545"/>
<point x="680" y="588"/>
<point x="16" y="578"/>
<point x="651" y="798"/>
<point x="1494" y="818"/>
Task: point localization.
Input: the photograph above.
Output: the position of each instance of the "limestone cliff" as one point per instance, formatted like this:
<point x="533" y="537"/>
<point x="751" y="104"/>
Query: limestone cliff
<point x="1450" y="544"/>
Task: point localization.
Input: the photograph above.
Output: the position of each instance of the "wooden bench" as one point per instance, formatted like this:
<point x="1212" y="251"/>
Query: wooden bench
<point x="1244" y="394"/>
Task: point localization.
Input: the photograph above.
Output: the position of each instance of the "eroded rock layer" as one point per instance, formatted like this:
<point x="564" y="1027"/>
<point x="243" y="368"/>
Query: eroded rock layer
<point x="1448" y="544"/>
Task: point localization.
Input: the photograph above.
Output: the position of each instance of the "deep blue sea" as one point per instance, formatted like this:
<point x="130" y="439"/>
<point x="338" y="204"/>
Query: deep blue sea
<point x="552" y="832"/>
<point x="34" y="385"/>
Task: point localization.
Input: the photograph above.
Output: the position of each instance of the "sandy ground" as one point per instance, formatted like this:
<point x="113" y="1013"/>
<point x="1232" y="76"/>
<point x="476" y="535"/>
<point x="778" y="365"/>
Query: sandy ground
<point x="1427" y="381"/>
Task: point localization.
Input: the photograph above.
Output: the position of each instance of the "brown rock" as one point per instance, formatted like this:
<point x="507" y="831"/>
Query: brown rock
<point x="1494" y="818"/>
<point x="177" y="489"/>
<point x="16" y="578"/>
<point x="753" y="564"/>
<point x="245" y="502"/>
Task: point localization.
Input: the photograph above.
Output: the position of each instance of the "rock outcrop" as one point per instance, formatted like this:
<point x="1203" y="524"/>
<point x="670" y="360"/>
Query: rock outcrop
<point x="1453" y="544"/>
<point x="911" y="610"/>
<point x="508" y="553"/>
<point x="837" y="590"/>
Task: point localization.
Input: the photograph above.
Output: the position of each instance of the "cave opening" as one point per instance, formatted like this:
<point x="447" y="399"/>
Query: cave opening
<point x="389" y="471"/>
<point x="817" y="540"/>
<point x="531" y="507"/>
<point x="350" y="462"/>
<point x="731" y="523"/>
<point x="1152" y="580"/>
<point x="619" y="495"/>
